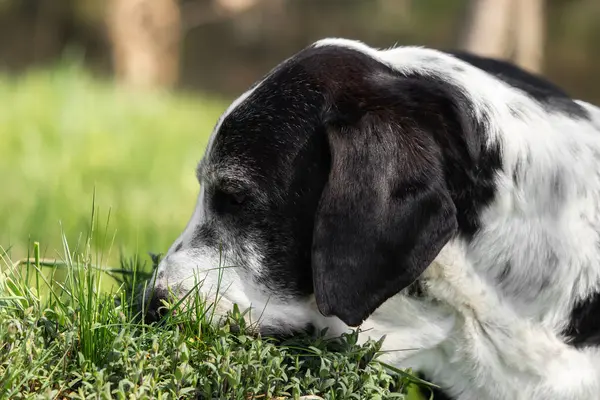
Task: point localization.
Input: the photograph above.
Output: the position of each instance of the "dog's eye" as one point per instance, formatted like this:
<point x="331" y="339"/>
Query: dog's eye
<point x="229" y="199"/>
<point x="237" y="198"/>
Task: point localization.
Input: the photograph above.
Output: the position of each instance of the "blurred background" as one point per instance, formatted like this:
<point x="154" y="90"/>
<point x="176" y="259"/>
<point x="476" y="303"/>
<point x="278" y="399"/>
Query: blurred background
<point x="107" y="105"/>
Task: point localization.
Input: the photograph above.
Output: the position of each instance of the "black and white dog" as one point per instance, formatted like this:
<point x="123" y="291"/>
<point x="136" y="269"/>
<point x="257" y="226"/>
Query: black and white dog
<point x="447" y="201"/>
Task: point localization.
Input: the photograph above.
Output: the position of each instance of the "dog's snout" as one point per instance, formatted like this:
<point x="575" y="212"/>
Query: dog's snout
<point x="155" y="308"/>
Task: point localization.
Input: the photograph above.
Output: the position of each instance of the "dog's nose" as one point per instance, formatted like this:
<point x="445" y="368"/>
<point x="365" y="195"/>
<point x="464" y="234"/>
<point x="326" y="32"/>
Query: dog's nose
<point x="154" y="307"/>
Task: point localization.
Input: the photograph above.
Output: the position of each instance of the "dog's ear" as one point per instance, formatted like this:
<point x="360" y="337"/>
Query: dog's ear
<point x="384" y="214"/>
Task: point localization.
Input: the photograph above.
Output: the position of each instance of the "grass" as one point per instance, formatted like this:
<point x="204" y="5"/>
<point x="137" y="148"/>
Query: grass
<point x="66" y="136"/>
<point x="71" y="329"/>
<point x="73" y="340"/>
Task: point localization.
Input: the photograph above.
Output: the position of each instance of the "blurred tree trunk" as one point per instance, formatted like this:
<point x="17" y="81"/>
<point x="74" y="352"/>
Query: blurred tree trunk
<point x="487" y="27"/>
<point x="506" y="29"/>
<point x="529" y="34"/>
<point x="145" y="36"/>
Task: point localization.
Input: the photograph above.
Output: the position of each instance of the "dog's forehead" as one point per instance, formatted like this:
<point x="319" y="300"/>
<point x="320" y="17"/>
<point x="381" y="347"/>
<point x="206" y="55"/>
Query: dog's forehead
<point x="267" y="124"/>
<point x="263" y="128"/>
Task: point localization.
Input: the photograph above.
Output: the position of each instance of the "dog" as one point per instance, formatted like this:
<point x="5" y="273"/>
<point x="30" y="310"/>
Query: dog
<point x="448" y="201"/>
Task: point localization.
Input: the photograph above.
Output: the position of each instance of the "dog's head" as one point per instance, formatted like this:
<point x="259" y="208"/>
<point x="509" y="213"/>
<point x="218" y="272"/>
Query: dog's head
<point x="326" y="183"/>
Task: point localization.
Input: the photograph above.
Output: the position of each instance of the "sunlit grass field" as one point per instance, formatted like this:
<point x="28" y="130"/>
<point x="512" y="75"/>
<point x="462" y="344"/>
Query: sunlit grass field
<point x="100" y="177"/>
<point x="65" y="136"/>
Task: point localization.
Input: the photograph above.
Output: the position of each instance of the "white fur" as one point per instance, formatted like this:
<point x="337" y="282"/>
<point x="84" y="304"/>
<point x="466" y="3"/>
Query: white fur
<point x="480" y="339"/>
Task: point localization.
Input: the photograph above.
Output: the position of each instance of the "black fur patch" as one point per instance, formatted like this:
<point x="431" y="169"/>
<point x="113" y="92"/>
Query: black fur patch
<point x="416" y="289"/>
<point x="584" y="323"/>
<point x="505" y="272"/>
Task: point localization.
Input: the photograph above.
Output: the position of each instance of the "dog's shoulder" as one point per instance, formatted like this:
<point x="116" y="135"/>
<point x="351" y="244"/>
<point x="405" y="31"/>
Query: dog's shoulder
<point x="551" y="96"/>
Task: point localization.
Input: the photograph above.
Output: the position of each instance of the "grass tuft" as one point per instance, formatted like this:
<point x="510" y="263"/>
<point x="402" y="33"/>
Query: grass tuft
<point x="72" y="340"/>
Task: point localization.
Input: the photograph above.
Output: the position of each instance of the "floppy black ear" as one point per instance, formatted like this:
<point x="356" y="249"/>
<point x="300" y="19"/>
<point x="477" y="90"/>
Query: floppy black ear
<point x="383" y="217"/>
